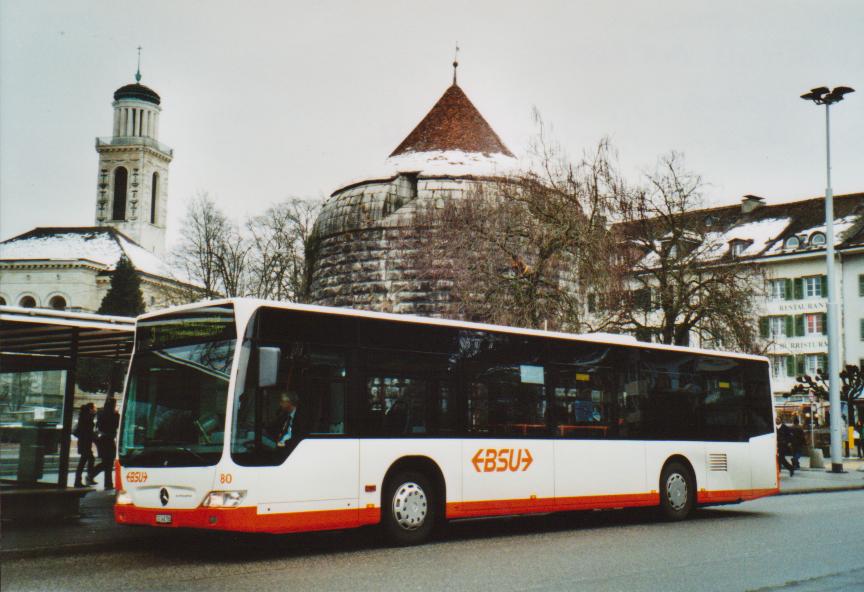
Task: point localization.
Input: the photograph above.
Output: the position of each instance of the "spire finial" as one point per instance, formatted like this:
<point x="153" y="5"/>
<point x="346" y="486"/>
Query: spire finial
<point x="455" y="62"/>
<point x="138" y="73"/>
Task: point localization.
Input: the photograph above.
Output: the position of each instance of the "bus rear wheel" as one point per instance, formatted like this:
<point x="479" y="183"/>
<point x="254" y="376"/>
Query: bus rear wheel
<point x="677" y="491"/>
<point x="409" y="509"/>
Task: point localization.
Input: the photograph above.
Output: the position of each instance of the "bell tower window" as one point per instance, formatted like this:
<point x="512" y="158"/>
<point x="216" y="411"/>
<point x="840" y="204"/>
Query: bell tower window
<point x="120" y="181"/>
<point x="154" y="195"/>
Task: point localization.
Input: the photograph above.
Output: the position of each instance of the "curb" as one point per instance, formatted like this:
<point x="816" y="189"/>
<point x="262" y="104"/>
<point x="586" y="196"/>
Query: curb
<point x="71" y="549"/>
<point x="821" y="490"/>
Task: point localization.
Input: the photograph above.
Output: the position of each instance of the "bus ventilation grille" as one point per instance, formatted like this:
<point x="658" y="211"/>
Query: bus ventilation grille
<point x="717" y="462"/>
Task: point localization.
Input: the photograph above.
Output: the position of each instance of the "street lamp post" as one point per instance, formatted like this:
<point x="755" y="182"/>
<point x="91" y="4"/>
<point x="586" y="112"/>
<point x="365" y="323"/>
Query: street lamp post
<point x="827" y="97"/>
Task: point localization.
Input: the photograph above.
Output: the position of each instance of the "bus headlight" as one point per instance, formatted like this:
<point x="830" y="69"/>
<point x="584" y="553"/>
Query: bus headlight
<point x="123" y="498"/>
<point x="223" y="499"/>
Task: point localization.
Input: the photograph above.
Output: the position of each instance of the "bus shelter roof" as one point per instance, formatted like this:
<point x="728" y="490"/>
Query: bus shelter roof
<point x="60" y="334"/>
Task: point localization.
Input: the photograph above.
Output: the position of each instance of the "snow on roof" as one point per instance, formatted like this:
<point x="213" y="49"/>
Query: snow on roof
<point x="758" y="234"/>
<point x="100" y="245"/>
<point x="452" y="162"/>
<point x="841" y="227"/>
<point x="442" y="163"/>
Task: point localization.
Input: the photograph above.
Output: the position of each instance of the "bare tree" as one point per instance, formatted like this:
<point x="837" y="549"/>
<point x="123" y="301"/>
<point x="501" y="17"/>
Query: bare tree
<point x="198" y="252"/>
<point x="683" y="280"/>
<point x="212" y="251"/>
<point x="520" y="250"/>
<point x="231" y="257"/>
<point x="280" y="249"/>
<point x="851" y="387"/>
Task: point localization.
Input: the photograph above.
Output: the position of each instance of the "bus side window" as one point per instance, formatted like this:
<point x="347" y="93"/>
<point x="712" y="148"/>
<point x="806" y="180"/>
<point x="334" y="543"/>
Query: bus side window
<point x="399" y="398"/>
<point x="324" y="391"/>
<point x="506" y="400"/>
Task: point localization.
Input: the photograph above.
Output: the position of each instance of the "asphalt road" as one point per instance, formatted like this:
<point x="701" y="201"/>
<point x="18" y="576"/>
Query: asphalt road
<point x="801" y="543"/>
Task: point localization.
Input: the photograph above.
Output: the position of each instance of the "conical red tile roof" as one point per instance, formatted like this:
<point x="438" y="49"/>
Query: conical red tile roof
<point x="453" y="124"/>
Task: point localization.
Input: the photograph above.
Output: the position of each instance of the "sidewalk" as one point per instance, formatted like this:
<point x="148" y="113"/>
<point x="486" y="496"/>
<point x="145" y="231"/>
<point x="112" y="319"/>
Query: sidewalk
<point x="96" y="530"/>
<point x="807" y="480"/>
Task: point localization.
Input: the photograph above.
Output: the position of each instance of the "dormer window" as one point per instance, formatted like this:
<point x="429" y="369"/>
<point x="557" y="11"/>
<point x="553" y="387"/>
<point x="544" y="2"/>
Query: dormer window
<point x="792" y="243"/>
<point x="738" y="246"/>
<point x="710" y="220"/>
<point x="817" y="239"/>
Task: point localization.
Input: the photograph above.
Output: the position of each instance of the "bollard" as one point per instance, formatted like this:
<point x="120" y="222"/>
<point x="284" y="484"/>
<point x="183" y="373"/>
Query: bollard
<point x="817" y="461"/>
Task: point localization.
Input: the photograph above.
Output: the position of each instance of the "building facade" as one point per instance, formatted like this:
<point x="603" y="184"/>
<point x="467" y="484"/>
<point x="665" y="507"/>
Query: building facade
<point x="785" y="244"/>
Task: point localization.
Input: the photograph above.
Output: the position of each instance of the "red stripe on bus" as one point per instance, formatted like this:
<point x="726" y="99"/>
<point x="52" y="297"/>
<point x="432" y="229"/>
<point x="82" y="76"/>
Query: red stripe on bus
<point x="733" y="495"/>
<point x="540" y="505"/>
<point x="247" y="519"/>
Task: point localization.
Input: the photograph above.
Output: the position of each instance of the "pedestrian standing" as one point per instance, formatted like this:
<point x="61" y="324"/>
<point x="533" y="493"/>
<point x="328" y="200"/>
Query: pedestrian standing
<point x="784" y="441"/>
<point x="84" y="432"/>
<point x="797" y="437"/>
<point x="107" y="422"/>
<point x="860" y="439"/>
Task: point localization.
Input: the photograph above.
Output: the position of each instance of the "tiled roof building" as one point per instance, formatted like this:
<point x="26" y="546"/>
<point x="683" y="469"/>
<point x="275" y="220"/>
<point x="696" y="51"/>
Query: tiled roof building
<point x="361" y="260"/>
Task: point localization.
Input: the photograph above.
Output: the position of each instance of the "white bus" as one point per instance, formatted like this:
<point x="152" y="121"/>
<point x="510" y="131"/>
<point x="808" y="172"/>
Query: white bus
<point x="256" y="416"/>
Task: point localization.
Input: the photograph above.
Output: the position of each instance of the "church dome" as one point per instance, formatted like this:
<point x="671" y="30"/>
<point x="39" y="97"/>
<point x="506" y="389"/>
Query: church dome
<point x="137" y="91"/>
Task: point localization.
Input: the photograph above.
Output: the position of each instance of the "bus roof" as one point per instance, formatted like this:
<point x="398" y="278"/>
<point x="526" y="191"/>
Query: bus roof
<point x="608" y="338"/>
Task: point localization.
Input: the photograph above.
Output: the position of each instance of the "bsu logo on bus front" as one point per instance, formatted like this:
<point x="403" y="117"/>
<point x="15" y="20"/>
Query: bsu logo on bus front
<point x="499" y="460"/>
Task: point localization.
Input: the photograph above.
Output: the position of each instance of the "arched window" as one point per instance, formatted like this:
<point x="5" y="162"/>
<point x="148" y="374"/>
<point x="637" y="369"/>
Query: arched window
<point x="27" y="302"/>
<point x="57" y="303"/>
<point x="120" y="182"/>
<point x="817" y="239"/>
<point x="154" y="195"/>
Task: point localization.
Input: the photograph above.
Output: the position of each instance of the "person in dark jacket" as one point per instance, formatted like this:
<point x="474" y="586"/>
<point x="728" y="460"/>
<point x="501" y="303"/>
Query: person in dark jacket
<point x="107" y="422"/>
<point x="784" y="446"/>
<point x="797" y="441"/>
<point x="84" y="433"/>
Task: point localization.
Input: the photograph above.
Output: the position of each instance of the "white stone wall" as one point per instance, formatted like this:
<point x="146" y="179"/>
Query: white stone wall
<point x="82" y="286"/>
<point x="853" y="309"/>
<point x="75" y="283"/>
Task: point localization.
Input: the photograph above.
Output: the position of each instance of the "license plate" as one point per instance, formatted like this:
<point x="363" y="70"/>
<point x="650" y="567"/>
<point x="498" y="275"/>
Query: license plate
<point x="163" y="518"/>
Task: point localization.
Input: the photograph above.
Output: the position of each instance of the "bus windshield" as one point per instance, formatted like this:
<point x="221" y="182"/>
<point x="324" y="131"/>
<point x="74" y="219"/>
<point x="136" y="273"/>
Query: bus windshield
<point x="174" y="410"/>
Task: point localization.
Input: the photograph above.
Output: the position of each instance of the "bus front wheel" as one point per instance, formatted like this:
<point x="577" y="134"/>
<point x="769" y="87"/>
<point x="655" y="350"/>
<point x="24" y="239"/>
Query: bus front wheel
<point x="677" y="491"/>
<point x="408" y="508"/>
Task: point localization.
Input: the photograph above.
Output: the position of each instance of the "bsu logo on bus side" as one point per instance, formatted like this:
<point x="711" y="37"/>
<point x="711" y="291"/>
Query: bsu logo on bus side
<point x="499" y="460"/>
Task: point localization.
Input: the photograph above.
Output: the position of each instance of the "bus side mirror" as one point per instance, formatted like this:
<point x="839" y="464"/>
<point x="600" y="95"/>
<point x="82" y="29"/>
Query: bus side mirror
<point x="268" y="365"/>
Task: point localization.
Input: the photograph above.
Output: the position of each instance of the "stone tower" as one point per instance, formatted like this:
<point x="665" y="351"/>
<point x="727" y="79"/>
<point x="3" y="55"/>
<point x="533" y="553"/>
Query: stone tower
<point x="360" y="234"/>
<point x="132" y="186"/>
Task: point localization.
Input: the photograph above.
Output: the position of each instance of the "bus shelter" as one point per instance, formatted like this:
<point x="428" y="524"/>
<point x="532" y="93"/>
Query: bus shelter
<point x="43" y="356"/>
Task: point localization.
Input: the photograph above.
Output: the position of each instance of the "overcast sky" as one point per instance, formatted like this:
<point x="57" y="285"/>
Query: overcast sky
<point x="265" y="100"/>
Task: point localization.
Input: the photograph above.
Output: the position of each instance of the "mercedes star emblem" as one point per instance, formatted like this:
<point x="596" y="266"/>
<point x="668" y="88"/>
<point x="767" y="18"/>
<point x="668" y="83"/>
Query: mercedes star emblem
<point x="163" y="496"/>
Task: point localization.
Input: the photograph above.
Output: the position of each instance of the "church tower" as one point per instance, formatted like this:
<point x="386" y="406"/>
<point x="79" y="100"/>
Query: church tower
<point x="132" y="186"/>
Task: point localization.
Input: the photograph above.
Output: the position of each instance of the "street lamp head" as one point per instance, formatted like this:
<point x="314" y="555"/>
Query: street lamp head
<point x="816" y="95"/>
<point x="824" y="96"/>
<point x="838" y="92"/>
